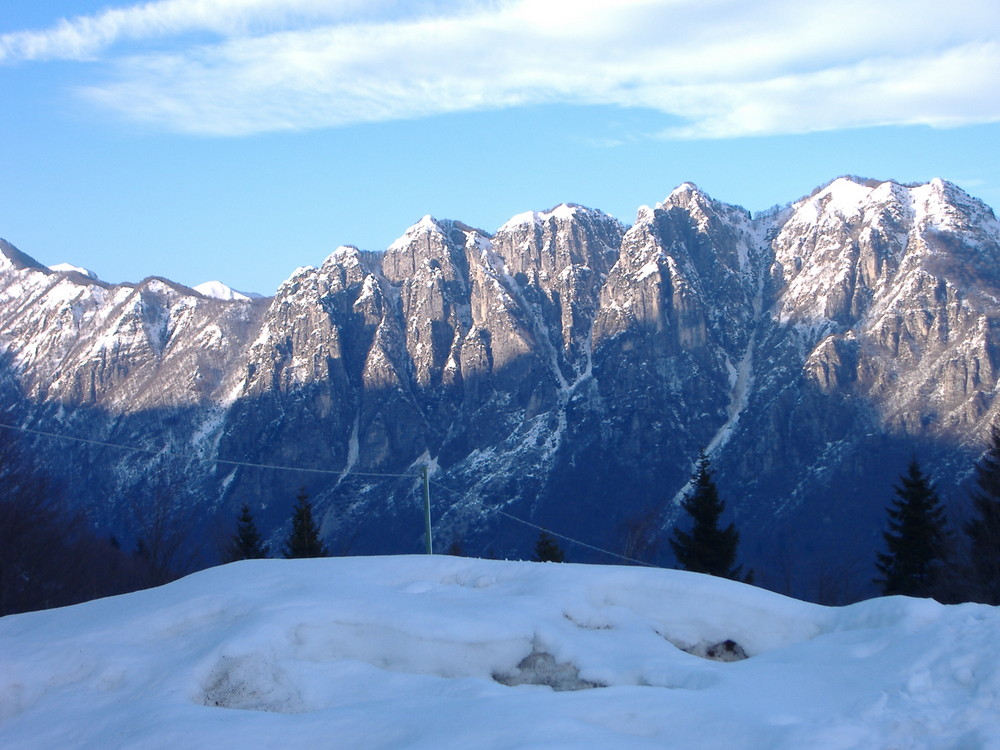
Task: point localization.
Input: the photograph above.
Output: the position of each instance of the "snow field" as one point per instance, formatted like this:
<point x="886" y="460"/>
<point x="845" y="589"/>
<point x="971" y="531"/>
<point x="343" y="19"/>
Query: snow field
<point x="443" y="652"/>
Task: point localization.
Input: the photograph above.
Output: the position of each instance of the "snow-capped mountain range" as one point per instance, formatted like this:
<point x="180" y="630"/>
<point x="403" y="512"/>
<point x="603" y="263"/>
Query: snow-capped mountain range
<point x="564" y="371"/>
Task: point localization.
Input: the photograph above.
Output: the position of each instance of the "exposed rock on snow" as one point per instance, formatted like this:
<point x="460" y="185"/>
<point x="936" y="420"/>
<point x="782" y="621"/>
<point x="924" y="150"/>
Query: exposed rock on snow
<point x="541" y="668"/>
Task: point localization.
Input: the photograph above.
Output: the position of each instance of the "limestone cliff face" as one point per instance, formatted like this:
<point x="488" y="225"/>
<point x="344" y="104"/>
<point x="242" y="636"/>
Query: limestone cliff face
<point x="565" y="369"/>
<point x="674" y="333"/>
<point x="560" y="260"/>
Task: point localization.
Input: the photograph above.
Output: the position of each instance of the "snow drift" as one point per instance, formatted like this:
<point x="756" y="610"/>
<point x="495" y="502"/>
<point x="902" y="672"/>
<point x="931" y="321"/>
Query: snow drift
<point x="442" y="652"/>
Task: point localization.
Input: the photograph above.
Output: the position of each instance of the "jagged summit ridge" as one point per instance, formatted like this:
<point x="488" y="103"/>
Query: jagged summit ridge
<point x="566" y="367"/>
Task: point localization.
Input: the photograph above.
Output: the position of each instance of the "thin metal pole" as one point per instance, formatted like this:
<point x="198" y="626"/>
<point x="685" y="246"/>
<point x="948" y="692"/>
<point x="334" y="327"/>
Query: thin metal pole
<point x="427" y="513"/>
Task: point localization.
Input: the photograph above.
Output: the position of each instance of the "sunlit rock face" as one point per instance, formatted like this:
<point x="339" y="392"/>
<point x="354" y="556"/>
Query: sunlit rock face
<point x="565" y="370"/>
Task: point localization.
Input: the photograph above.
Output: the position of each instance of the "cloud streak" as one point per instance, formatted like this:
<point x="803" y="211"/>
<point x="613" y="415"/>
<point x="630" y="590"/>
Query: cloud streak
<point x="725" y="68"/>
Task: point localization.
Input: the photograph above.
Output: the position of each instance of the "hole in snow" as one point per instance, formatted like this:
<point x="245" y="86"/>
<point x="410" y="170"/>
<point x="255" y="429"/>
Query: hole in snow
<point x="541" y="668"/>
<point x="251" y="683"/>
<point x="727" y="650"/>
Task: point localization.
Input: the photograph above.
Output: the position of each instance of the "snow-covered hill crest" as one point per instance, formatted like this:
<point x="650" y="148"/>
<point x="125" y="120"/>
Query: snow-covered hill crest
<point x="451" y="652"/>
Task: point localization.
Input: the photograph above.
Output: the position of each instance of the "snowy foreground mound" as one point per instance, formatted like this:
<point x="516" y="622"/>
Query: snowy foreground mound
<point x="444" y="652"/>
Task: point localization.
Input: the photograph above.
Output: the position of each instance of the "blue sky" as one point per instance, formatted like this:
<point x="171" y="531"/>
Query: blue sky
<point x="239" y="139"/>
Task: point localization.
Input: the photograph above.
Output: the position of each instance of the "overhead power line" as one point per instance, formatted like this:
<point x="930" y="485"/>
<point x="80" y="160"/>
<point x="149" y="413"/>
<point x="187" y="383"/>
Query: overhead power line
<point x="168" y="452"/>
<point x="80" y="440"/>
<point x="574" y="541"/>
<point x="578" y="542"/>
<point x="333" y="472"/>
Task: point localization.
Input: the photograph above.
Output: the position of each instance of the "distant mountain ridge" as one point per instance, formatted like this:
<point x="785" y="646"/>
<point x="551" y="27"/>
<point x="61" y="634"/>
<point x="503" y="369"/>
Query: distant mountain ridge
<point x="565" y="370"/>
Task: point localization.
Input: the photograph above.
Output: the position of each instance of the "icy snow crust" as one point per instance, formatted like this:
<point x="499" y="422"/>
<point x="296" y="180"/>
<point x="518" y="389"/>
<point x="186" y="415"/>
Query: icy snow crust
<point x="441" y="652"/>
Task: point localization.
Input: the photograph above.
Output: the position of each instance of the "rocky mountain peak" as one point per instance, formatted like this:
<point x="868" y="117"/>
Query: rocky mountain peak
<point x="543" y="245"/>
<point x="701" y="207"/>
<point x="564" y="212"/>
<point x="431" y="248"/>
<point x="689" y="196"/>
<point x="853" y="240"/>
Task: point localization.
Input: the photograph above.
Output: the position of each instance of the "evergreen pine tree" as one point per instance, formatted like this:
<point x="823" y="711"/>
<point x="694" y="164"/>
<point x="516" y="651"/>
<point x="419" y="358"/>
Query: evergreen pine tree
<point x="547" y="549"/>
<point x="917" y="540"/>
<point x="304" y="539"/>
<point x="984" y="529"/>
<point x="706" y="548"/>
<point x="247" y="543"/>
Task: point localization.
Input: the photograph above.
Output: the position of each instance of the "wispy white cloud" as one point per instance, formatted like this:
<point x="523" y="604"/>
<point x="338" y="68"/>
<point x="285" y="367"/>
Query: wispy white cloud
<point x="725" y="67"/>
<point x="85" y="37"/>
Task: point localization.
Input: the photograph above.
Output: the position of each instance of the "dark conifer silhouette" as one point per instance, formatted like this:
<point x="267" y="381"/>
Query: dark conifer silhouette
<point x="706" y="548"/>
<point x="547" y="549"/>
<point x="304" y="540"/>
<point x="917" y="540"/>
<point x="247" y="543"/>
